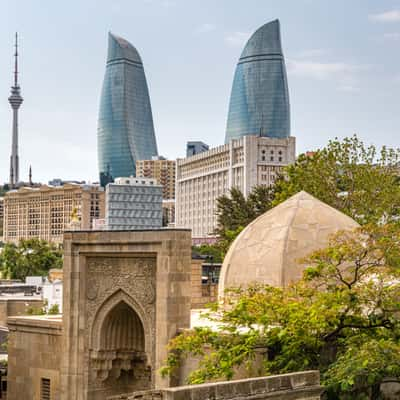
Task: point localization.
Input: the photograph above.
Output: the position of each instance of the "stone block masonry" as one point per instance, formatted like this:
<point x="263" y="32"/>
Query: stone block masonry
<point x="126" y="294"/>
<point x="295" y="386"/>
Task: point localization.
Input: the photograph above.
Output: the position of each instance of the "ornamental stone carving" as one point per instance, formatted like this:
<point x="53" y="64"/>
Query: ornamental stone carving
<point x="120" y="313"/>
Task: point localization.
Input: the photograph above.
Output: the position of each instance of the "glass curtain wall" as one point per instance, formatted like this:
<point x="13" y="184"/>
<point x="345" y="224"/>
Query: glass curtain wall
<point x="259" y="103"/>
<point x="125" y="126"/>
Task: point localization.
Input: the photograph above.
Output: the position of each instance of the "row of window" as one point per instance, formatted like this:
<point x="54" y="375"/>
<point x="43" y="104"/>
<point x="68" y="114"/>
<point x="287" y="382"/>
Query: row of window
<point x="263" y="158"/>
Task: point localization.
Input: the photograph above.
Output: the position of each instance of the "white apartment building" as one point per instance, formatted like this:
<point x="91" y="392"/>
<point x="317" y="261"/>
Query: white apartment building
<point x="243" y="163"/>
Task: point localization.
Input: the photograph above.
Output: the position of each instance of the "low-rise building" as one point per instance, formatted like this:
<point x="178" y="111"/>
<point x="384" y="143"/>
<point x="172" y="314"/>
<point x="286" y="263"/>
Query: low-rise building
<point x="52" y="295"/>
<point x="1" y="216"/>
<point x="47" y="211"/>
<point x="242" y="163"/>
<point x="133" y="203"/>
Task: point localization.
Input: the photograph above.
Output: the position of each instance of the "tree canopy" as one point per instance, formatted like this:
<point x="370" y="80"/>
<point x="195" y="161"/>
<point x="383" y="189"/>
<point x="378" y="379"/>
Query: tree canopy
<point x="235" y="212"/>
<point x="341" y="318"/>
<point x="211" y="251"/>
<point x="30" y="257"/>
<point x="361" y="181"/>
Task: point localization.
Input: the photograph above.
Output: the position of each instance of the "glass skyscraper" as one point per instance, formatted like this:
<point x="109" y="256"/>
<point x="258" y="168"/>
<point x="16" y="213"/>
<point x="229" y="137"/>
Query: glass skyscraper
<point x="125" y="127"/>
<point x="259" y="103"/>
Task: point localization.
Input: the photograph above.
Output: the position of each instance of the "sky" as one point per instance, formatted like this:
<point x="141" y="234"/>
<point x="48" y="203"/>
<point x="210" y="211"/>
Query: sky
<point x="342" y="57"/>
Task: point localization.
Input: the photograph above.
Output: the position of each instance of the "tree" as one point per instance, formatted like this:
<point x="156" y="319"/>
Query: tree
<point x="212" y="251"/>
<point x="30" y="257"/>
<point x="235" y="212"/>
<point x="4" y="189"/>
<point x="341" y="318"/>
<point x="361" y="181"/>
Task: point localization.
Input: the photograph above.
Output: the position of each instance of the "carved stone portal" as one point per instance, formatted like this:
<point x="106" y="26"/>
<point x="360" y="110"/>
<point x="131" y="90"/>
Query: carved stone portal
<point x="126" y="294"/>
<point x="120" y="305"/>
<point x="122" y="346"/>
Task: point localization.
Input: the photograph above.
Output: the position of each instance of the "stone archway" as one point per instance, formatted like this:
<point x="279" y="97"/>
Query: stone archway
<point x="149" y="271"/>
<point x="118" y="357"/>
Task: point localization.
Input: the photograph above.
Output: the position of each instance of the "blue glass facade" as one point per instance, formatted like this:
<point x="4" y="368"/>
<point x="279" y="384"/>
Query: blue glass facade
<point x="125" y="127"/>
<point x="259" y="103"/>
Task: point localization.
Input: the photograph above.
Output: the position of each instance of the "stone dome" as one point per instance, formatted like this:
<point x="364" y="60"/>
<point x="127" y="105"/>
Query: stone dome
<point x="268" y="250"/>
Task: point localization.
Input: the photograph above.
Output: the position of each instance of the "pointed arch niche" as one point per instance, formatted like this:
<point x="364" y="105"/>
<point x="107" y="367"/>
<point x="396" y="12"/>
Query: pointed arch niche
<point x="119" y="352"/>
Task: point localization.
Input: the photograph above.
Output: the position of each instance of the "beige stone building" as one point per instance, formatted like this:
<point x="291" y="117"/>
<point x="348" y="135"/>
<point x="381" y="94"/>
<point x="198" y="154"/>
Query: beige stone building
<point x="13" y="305"/>
<point x="161" y="170"/>
<point x="243" y="163"/>
<point x="126" y="294"/>
<point x="1" y="216"/>
<point x="47" y="211"/>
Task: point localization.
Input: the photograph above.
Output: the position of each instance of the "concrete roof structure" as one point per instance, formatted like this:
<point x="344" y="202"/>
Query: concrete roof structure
<point x="269" y="250"/>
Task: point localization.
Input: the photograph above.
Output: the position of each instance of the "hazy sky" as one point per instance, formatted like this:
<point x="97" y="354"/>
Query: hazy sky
<point x="342" y="56"/>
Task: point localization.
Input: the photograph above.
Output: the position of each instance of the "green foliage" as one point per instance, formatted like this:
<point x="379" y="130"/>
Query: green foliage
<point x="30" y="257"/>
<point x="4" y="189"/>
<point x="4" y="345"/>
<point x="211" y="250"/>
<point x="36" y="311"/>
<point x="234" y="212"/>
<point x="361" y="181"/>
<point x="53" y="310"/>
<point x="341" y="318"/>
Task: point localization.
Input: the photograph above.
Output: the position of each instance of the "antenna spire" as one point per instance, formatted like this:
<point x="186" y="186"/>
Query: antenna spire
<point x="16" y="60"/>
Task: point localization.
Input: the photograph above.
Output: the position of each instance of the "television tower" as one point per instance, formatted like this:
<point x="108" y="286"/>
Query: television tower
<point x="15" y="100"/>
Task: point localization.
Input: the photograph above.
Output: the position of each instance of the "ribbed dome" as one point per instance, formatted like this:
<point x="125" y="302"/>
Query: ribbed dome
<point x="269" y="249"/>
<point x="119" y="48"/>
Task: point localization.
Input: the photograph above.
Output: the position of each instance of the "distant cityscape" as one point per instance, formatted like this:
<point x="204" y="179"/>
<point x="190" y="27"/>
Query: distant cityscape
<point x="257" y="145"/>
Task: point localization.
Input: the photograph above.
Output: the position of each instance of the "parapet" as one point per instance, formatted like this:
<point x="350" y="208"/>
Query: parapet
<point x="295" y="386"/>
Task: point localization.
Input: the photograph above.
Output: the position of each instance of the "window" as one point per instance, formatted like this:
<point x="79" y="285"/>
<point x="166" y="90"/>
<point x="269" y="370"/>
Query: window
<point x="272" y="158"/>
<point x="45" y="389"/>
<point x="280" y="158"/>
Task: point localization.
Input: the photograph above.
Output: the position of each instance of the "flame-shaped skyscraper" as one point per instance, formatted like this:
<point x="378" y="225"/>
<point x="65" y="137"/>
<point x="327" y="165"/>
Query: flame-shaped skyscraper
<point x="259" y="103"/>
<point x="15" y="100"/>
<point x="125" y="127"/>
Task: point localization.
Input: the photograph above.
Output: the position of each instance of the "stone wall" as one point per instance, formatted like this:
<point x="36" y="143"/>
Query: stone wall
<point x="201" y="294"/>
<point x="15" y="307"/>
<point x="296" y="386"/>
<point x="34" y="354"/>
